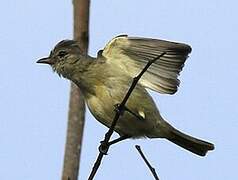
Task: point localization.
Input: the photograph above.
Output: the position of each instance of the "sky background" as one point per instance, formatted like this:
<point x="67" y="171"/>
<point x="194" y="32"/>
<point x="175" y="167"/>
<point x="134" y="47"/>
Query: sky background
<point x="34" y="101"/>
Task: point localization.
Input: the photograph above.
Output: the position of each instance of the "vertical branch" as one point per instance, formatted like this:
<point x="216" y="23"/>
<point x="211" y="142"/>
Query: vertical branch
<point x="76" y="103"/>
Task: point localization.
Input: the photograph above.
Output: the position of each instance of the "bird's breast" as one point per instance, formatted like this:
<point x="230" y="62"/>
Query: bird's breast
<point x="101" y="104"/>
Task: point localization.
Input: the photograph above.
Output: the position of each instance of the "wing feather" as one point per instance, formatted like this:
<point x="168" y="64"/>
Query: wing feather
<point x="133" y="53"/>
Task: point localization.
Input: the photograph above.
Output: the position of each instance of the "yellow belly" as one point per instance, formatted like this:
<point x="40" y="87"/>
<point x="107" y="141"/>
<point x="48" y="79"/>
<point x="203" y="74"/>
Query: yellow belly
<point x="102" y="105"/>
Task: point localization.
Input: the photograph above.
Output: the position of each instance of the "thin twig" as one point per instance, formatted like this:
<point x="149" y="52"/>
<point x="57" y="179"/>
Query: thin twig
<point x="119" y="111"/>
<point x="147" y="162"/>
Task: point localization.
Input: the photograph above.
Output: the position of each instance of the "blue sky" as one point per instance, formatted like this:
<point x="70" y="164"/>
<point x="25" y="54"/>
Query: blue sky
<point x="34" y="101"/>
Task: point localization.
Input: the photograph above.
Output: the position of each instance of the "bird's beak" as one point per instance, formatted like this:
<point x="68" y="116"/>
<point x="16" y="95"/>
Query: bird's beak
<point x="46" y="60"/>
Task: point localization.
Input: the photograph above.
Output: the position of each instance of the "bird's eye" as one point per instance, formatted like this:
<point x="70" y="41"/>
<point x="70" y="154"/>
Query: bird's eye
<point x="61" y="54"/>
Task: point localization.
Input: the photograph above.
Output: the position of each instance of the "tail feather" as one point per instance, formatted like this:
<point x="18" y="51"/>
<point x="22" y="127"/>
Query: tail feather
<point x="190" y="143"/>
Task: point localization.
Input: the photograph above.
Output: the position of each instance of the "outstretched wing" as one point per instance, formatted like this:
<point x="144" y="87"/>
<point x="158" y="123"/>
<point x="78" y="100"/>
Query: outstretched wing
<point x="133" y="53"/>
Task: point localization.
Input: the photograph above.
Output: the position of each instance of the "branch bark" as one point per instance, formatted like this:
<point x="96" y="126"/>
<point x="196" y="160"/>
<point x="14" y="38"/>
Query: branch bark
<point x="76" y="114"/>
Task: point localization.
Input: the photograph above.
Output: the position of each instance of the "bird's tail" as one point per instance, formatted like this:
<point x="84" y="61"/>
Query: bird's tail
<point x="190" y="143"/>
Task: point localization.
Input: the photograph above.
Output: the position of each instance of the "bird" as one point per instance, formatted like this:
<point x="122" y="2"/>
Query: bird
<point x="105" y="79"/>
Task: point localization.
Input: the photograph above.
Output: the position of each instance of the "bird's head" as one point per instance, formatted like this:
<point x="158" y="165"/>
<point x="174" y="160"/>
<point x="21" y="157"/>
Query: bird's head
<point x="63" y="57"/>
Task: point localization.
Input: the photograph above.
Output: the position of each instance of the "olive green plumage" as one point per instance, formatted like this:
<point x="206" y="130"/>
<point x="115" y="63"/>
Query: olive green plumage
<point x="105" y="80"/>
